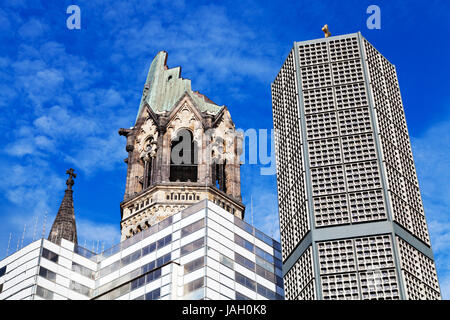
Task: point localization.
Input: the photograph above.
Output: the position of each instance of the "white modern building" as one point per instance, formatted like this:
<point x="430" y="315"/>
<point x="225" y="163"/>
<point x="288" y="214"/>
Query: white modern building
<point x="202" y="252"/>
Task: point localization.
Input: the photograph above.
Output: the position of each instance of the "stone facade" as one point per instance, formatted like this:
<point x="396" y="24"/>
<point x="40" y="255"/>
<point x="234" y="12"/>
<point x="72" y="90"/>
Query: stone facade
<point x="182" y="149"/>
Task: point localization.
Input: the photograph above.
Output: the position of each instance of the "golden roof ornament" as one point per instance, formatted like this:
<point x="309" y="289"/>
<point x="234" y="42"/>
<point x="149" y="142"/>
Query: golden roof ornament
<point x="326" y="31"/>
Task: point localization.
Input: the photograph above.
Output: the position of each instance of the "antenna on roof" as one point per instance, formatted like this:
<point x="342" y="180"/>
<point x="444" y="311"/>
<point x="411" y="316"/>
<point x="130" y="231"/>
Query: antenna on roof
<point x="251" y="207"/>
<point x="271" y="230"/>
<point x="34" y="229"/>
<point x="9" y="242"/>
<point x="43" y="224"/>
<point x="23" y="235"/>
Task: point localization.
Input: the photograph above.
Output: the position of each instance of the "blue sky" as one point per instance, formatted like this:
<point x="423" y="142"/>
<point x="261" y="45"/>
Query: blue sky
<point x="65" y="93"/>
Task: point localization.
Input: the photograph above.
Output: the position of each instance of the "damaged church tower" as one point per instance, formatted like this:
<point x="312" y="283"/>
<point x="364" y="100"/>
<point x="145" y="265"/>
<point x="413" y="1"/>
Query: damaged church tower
<point x="183" y="148"/>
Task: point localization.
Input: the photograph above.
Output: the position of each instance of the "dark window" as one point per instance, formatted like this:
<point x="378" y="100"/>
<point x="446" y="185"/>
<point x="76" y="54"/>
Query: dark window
<point x="219" y="176"/>
<point x="47" y="254"/>
<point x="109" y="269"/>
<point x="183" y="157"/>
<point x="263" y="254"/>
<point x="261" y="236"/>
<point x="278" y="263"/>
<point x="83" y="270"/>
<point x="125" y="261"/>
<point x="153" y="295"/>
<point x="191" y="247"/>
<point x="148" y="165"/>
<point x="149" y="249"/>
<point x="194" y="265"/>
<point x="192" y="227"/>
<point x="247" y="282"/>
<point x="165" y="223"/>
<point x="164" y="241"/>
<point x="47" y="274"/>
<point x="149" y="266"/>
<point x="240" y="296"/>
<point x="44" y="293"/>
<point x="153" y="275"/>
<point x="163" y="260"/>
<point x="244" y="261"/>
<point x="265" y="264"/>
<point x="265" y="274"/>
<point x="193" y="285"/>
<point x="243" y="243"/>
<point x="77" y="287"/>
<point x="2" y="271"/>
<point x="243" y="225"/>
<point x="137" y="283"/>
<point x="279" y="281"/>
<point x="269" y="294"/>
<point x="226" y="261"/>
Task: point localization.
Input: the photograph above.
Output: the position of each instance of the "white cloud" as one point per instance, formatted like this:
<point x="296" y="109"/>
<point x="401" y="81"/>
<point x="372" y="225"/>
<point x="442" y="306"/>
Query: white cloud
<point x="60" y="123"/>
<point x="32" y="29"/>
<point x="98" y="153"/>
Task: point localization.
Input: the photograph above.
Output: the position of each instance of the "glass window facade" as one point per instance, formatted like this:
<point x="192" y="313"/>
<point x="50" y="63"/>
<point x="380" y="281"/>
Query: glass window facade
<point x="44" y="293"/>
<point x="209" y="266"/>
<point x="191" y="247"/>
<point x="47" y="274"/>
<point x="194" y="265"/>
<point x="2" y="271"/>
<point x="47" y="254"/>
<point x="194" y="285"/>
<point x="192" y="227"/>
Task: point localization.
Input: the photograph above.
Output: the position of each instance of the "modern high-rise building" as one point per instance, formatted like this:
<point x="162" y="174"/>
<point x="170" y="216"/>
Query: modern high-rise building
<point x="183" y="233"/>
<point x="351" y="215"/>
<point x="201" y="252"/>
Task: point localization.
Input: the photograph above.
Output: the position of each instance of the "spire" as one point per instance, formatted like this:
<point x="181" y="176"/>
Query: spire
<point x="64" y="225"/>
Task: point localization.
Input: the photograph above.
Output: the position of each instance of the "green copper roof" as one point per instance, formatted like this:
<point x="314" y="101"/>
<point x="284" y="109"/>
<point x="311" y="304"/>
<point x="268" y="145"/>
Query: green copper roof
<point x="164" y="87"/>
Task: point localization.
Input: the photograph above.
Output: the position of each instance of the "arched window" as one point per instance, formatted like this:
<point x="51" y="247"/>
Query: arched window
<point x="148" y="166"/>
<point x="219" y="175"/>
<point x="183" y="157"/>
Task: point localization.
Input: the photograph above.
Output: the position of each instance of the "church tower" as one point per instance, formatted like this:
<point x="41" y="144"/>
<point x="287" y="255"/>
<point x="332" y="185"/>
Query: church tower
<point x="64" y="225"/>
<point x="183" y="148"/>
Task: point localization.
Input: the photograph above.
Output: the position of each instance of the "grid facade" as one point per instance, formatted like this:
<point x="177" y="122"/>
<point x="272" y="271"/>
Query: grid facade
<point x="419" y="272"/>
<point x="299" y="282"/>
<point x="396" y="155"/>
<point x="360" y="268"/>
<point x="344" y="160"/>
<point x="339" y="132"/>
<point x="294" y="220"/>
